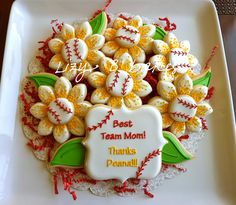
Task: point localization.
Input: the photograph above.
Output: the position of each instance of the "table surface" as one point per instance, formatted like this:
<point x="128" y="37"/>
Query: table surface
<point x="228" y="26"/>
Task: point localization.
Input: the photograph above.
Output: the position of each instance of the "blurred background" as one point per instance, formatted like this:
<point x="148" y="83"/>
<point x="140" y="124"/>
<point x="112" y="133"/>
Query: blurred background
<point x="227" y="16"/>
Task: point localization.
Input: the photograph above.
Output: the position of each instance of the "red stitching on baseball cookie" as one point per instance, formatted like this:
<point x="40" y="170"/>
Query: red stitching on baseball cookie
<point x="102" y="122"/>
<point x="115" y="80"/>
<point x="54" y="114"/>
<point x="145" y="162"/>
<point x="124" y="85"/>
<point x="181" y="115"/>
<point x="123" y="189"/>
<point x="204" y="124"/>
<point x="145" y="190"/>
<point x="187" y="104"/>
<point x="62" y="106"/>
<point x="179" y="53"/>
<point x="126" y="38"/>
<point x="68" y="51"/>
<point x="130" y="30"/>
<point x="76" y="49"/>
<point x="182" y="65"/>
<point x="56" y="26"/>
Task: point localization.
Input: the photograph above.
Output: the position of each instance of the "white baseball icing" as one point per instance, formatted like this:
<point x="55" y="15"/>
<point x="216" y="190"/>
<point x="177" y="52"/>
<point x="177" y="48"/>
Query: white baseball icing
<point x="178" y="58"/>
<point x="119" y="83"/>
<point x="118" y="140"/>
<point x="183" y="108"/>
<point x="60" y="111"/>
<point x="74" y="51"/>
<point x="127" y="36"/>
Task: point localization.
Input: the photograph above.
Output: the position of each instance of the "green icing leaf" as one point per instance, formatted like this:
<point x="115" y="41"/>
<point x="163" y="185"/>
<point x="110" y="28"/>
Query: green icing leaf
<point x="43" y="79"/>
<point x="160" y="34"/>
<point x="205" y="79"/>
<point x="69" y="154"/>
<point x="173" y="152"/>
<point x="99" y="23"/>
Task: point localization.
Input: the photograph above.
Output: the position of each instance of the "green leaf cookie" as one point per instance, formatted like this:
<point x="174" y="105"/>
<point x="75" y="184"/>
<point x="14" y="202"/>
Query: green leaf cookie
<point x="159" y="34"/>
<point x="203" y="79"/>
<point x="99" y="23"/>
<point x="43" y="79"/>
<point x="69" y="154"/>
<point x="174" y="152"/>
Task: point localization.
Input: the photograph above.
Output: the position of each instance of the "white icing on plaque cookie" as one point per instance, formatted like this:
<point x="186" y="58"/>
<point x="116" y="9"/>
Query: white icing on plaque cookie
<point x="74" y="51"/>
<point x="178" y="58"/>
<point x="127" y="36"/>
<point x="119" y="83"/>
<point x="122" y="145"/>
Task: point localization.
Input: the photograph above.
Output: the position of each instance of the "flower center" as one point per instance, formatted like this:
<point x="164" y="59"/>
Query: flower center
<point x="74" y="51"/>
<point x="183" y="108"/>
<point x="60" y="111"/>
<point x="127" y="36"/>
<point x="119" y="83"/>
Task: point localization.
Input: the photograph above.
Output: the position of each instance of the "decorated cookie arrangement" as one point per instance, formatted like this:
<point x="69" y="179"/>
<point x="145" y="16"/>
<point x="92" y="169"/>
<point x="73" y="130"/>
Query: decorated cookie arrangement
<point x="115" y="104"/>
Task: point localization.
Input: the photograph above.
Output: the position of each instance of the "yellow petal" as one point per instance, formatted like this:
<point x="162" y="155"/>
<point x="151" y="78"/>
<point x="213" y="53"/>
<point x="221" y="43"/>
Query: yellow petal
<point x="76" y="126"/>
<point x="132" y="100"/>
<point x="100" y="95"/>
<point x="55" y="45"/>
<point x="146" y="43"/>
<point x="97" y="79"/>
<point x="161" y="104"/>
<point x="78" y="93"/>
<point x="115" y="102"/>
<point x="158" y="62"/>
<point x="82" y="108"/>
<point x="204" y="109"/>
<point x="147" y="30"/>
<point x="185" y="45"/>
<point x="193" y="61"/>
<point x="61" y="133"/>
<point x="120" y="52"/>
<point x="171" y="40"/>
<point x="184" y="85"/>
<point x="137" y="54"/>
<point x="136" y="21"/>
<point x="142" y="88"/>
<point x="178" y="128"/>
<point x="84" y="30"/>
<point x="94" y="57"/>
<point x="62" y="87"/>
<point x="167" y="121"/>
<point x="194" y="125"/>
<point x="110" y="48"/>
<point x="46" y="94"/>
<point x="125" y="62"/>
<point x="119" y="23"/>
<point x="191" y="73"/>
<point x="45" y="127"/>
<point x="57" y="62"/>
<point x="107" y="65"/>
<point x="167" y="75"/>
<point x="39" y="110"/>
<point x="166" y="90"/>
<point x="110" y="34"/>
<point x="95" y="41"/>
<point x="139" y="71"/>
<point x="199" y="93"/>
<point x="160" y="47"/>
<point x="67" y="32"/>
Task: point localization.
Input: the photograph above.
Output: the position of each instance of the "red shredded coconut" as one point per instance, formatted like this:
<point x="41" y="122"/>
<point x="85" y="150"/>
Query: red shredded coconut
<point x="213" y="53"/>
<point x="184" y="137"/>
<point x="145" y="190"/>
<point x="210" y="93"/>
<point x="169" y="26"/>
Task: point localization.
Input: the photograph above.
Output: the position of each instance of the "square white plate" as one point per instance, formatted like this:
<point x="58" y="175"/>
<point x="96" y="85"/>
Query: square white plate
<point x="211" y="177"/>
